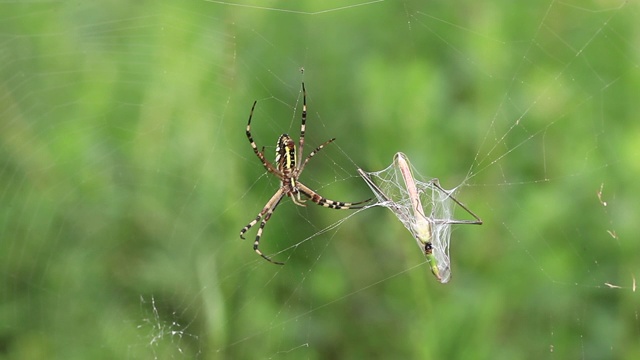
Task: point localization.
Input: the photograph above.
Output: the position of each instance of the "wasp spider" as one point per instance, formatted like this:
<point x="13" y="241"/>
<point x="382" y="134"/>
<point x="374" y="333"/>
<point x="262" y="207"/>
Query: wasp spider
<point x="288" y="170"/>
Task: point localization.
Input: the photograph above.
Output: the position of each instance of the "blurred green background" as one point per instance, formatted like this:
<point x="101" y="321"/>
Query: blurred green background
<point x="126" y="176"/>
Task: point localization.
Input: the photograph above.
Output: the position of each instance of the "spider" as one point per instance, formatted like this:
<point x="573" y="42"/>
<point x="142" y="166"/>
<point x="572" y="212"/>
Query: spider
<point x="288" y="170"/>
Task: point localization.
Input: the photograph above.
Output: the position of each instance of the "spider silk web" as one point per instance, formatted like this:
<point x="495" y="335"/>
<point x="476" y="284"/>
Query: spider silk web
<point x="422" y="206"/>
<point x="126" y="176"/>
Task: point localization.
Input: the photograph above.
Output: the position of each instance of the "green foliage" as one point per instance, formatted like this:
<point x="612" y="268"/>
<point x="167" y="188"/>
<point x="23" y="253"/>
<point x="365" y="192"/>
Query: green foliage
<point x="126" y="177"/>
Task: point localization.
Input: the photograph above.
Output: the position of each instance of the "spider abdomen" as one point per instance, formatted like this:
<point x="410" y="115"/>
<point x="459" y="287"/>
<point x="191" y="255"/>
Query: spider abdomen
<point x="285" y="154"/>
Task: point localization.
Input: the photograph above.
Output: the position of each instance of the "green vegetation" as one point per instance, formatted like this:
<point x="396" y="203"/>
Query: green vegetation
<point x="126" y="176"/>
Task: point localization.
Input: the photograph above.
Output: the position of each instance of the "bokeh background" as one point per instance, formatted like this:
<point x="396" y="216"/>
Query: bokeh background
<point x="125" y="177"/>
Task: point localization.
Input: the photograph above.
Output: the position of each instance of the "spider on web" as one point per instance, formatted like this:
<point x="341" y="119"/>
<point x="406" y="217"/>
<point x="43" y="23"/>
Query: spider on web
<point x="288" y="170"/>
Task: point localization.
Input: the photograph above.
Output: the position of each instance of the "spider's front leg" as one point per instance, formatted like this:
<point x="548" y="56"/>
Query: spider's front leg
<point x="265" y="215"/>
<point x="331" y="204"/>
<point x="256" y="243"/>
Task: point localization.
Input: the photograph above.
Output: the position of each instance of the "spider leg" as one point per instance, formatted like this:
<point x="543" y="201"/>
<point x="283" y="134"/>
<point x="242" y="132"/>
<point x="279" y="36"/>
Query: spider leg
<point x="265" y="215"/>
<point x="256" y="243"/>
<point x="313" y="153"/>
<point x="260" y="154"/>
<point x="322" y="201"/>
<point x="270" y="204"/>
<point x="296" y="199"/>
<point x="303" y="125"/>
<point x="250" y="225"/>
